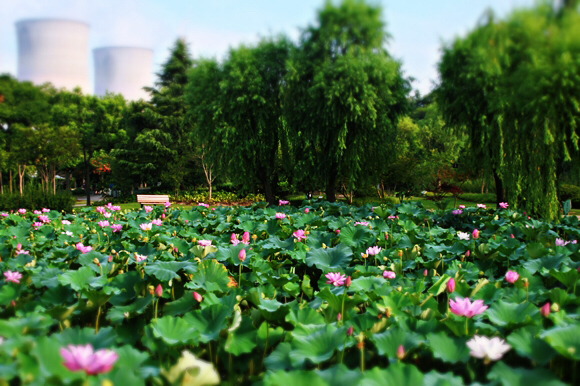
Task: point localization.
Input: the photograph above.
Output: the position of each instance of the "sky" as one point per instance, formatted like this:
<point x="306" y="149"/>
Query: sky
<point x="418" y="27"/>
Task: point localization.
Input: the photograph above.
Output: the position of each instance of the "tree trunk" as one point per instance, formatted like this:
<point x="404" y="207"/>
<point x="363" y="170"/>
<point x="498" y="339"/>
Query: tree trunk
<point x="10" y="178"/>
<point x="67" y="180"/>
<point x="268" y="192"/>
<point x="498" y="189"/>
<point x="330" y="184"/>
<point x="21" y="169"/>
<point x="1" y="184"/>
<point x="87" y="178"/>
<point x="482" y="186"/>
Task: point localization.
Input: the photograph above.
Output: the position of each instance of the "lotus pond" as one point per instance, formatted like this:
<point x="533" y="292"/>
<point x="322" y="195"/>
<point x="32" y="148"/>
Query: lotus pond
<point x="323" y="294"/>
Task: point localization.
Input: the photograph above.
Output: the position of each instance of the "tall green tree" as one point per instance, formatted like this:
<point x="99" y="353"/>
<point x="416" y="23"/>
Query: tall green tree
<point x="514" y="86"/>
<point x="344" y="96"/>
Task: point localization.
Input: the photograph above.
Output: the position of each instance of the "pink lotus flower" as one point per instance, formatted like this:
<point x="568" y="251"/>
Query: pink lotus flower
<point x="4" y="214"/>
<point x="464" y="307"/>
<point x="82" y="358"/>
<point x="389" y="274"/>
<point x="37" y="224"/>
<point x="307" y="210"/>
<point x="461" y="206"/>
<point x="451" y="285"/>
<point x="148" y="209"/>
<point x="234" y="239"/>
<point x="373" y="251"/>
<point x="299" y="234"/>
<point x="13" y="277"/>
<point x="116" y="207"/>
<point x="512" y="276"/>
<point x="204" y="243"/>
<point x="335" y="278"/>
<point x="283" y="202"/>
<point x="107" y="215"/>
<point x="83" y="249"/>
<point x="104" y="224"/>
<point x="37" y="212"/>
<point x="45" y="210"/>
<point x="280" y="216"/>
<point x="197" y="297"/>
<point x="425" y="273"/>
<point x="457" y="212"/>
<point x="545" y="310"/>
<point x="116" y="227"/>
<point x="146" y="226"/>
<point x="337" y="231"/>
<point x="392" y="217"/>
<point x="101" y="209"/>
<point x="350" y="331"/>
<point x="22" y="252"/>
<point x="203" y="204"/>
<point x="242" y="255"/>
<point x="157" y="222"/>
<point x="475" y="233"/>
<point x="348" y="282"/>
<point x="481" y="206"/>
<point x="401" y="352"/>
<point x="167" y="204"/>
<point x="140" y="258"/>
<point x="65" y="222"/>
<point x="246" y="238"/>
<point x="363" y="223"/>
<point x="22" y="211"/>
<point x="503" y="205"/>
<point x="159" y="291"/>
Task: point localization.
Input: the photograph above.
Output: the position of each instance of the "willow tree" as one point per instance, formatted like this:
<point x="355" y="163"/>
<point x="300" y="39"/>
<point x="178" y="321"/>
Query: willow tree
<point x="344" y="96"/>
<point x="514" y="86"/>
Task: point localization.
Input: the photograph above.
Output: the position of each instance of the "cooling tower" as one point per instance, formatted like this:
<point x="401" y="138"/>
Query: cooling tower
<point x="53" y="51"/>
<point x="123" y="70"/>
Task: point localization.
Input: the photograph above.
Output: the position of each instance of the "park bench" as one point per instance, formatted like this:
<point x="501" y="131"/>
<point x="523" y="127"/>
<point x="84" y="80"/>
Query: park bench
<point x="152" y="199"/>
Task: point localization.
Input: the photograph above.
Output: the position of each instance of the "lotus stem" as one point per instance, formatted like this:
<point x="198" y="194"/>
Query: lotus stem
<point x="240" y="277"/>
<point x="467" y="326"/>
<point x="342" y="310"/>
<point x="97" y="321"/>
<point x="266" y="345"/>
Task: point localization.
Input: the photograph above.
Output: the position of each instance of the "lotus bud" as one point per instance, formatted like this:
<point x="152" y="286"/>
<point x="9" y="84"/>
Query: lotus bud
<point x="555" y="307"/>
<point x="387" y="236"/>
<point x="512" y="236"/>
<point x="246" y="237"/>
<point x="425" y="273"/>
<point x="545" y="310"/>
<point x="110" y="258"/>
<point x="197" y="297"/>
<point x="242" y="255"/>
<point x="468" y="253"/>
<point x="400" y="352"/>
<point x="96" y="261"/>
<point x="475" y="233"/>
<point x="307" y="210"/>
<point x="339" y="317"/>
<point x="151" y="289"/>
<point x="323" y="246"/>
<point x="451" y="285"/>
<point x="254" y="237"/>
<point x="159" y="290"/>
<point x="337" y="231"/>
<point x="348" y="282"/>
<point x="350" y="331"/>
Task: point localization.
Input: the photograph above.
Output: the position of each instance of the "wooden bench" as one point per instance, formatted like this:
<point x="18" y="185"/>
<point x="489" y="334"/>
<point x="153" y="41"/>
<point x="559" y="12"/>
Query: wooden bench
<point x="152" y="199"/>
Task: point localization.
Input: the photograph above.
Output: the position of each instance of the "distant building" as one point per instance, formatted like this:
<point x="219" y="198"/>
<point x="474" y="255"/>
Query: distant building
<point x="53" y="50"/>
<point x="123" y="70"/>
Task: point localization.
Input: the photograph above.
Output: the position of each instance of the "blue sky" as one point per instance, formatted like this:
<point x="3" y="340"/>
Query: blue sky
<point x="418" y="27"/>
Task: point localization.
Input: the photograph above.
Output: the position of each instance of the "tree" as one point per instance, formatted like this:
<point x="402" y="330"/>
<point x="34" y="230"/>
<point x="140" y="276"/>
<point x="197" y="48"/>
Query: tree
<point x="344" y="96"/>
<point x="514" y="86"/>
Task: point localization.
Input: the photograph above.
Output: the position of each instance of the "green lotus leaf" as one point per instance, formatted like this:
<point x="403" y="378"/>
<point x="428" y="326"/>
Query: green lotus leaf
<point x="46" y="351"/>
<point x="181" y="305"/>
<point x="525" y="342"/>
<point x="340" y="375"/>
<point x="209" y="321"/>
<point x="8" y="293"/>
<point x="448" y="348"/>
<point x="31" y="324"/>
<point x="175" y="331"/>
<point x="58" y="295"/>
<point x="440" y="285"/>
<point x="81" y="278"/>
<point x="316" y="344"/>
<point x="242" y="340"/>
<point x="211" y="276"/>
<point x="304" y="316"/>
<point x="389" y="341"/>
<point x="119" y="313"/>
<point x="126" y="369"/>
<point x="329" y="259"/>
<point x="506" y="314"/>
<point x="434" y="378"/>
<point x="399" y="374"/>
<point x="297" y="377"/>
<point x="508" y="376"/>
<point x="566" y="276"/>
<point x="548" y="262"/>
<point x="358" y="236"/>
<point x="279" y="359"/>
<point x="367" y="283"/>
<point x="166" y="270"/>
<point x="565" y="340"/>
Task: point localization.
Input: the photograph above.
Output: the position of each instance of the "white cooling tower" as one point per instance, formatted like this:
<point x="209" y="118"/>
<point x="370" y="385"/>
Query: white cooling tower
<point x="123" y="70"/>
<point x="53" y="51"/>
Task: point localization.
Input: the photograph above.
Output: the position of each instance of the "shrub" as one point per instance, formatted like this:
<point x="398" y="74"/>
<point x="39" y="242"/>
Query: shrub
<point x="570" y="192"/>
<point x="61" y="201"/>
<point x="478" y="197"/>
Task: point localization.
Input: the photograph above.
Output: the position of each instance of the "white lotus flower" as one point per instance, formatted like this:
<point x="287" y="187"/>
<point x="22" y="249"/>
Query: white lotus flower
<point x="463" y="235"/>
<point x="486" y="348"/>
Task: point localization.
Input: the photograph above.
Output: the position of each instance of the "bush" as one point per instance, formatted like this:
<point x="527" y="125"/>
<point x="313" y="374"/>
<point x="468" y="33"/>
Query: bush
<point x="478" y="197"/>
<point x="474" y="186"/>
<point x="61" y="201"/>
<point x="570" y="192"/>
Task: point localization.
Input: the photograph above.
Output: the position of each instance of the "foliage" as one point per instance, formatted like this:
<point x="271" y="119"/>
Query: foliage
<point x="61" y="201"/>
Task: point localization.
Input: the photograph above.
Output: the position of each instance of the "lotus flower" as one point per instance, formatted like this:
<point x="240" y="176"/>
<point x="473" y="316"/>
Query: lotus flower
<point x="512" y="276"/>
<point x="545" y="310"/>
<point x="197" y="297"/>
<point x="45" y="210"/>
<point x="389" y="274"/>
<point x="373" y="251"/>
<point x="82" y="358"/>
<point x="167" y="204"/>
<point x="503" y="205"/>
<point x="461" y="206"/>
<point x="65" y="222"/>
<point x="159" y="291"/>
<point x="22" y="211"/>
<point x="116" y="227"/>
<point x="203" y="204"/>
<point x="157" y="222"/>
<point x="204" y="243"/>
<point x="475" y="233"/>
<point x="463" y="235"/>
<point x="457" y="212"/>
<point x="234" y="239"/>
<point x="148" y="209"/>
<point x="242" y="255"/>
<point x="280" y="216"/>
<point x="107" y="215"/>
<point x="81" y="247"/>
<point x="104" y="224"/>
<point x="283" y="202"/>
<point x="489" y="349"/>
<point x="146" y="226"/>
<point x="364" y="223"/>
<point x="481" y="206"/>
<point x="101" y="209"/>
<point x="246" y="238"/>
<point x="464" y="307"/>
<point x="37" y="212"/>
<point x="299" y="234"/>
<point x="335" y="278"/>
<point x="307" y="210"/>
<point x="451" y="285"/>
<point x="13" y="277"/>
